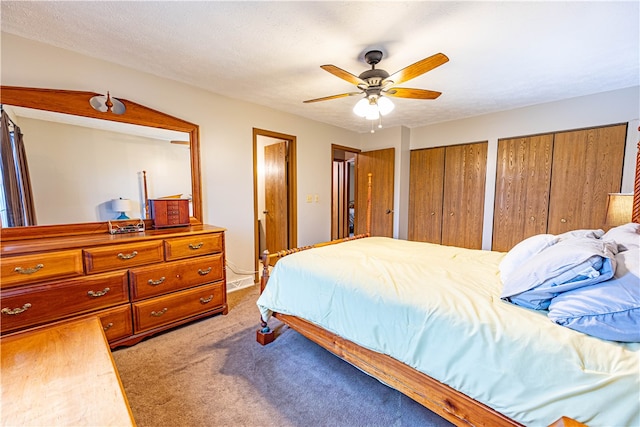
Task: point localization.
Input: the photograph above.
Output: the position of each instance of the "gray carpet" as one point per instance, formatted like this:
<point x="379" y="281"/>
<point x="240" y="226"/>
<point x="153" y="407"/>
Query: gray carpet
<point x="213" y="373"/>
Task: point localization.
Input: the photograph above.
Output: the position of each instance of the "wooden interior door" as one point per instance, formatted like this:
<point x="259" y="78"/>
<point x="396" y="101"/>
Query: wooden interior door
<point x="463" y="202"/>
<point x="276" y="198"/>
<point x="523" y="178"/>
<point x="587" y="165"/>
<point x="340" y="202"/>
<point x="380" y="163"/>
<point x="426" y="183"/>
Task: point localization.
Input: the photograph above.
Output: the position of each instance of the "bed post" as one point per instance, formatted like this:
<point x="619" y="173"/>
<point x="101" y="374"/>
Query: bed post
<point x="635" y="216"/>
<point x="369" y="204"/>
<point x="264" y="335"/>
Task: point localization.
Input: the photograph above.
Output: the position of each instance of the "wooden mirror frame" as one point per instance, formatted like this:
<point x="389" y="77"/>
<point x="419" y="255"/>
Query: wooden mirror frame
<point x="77" y="103"/>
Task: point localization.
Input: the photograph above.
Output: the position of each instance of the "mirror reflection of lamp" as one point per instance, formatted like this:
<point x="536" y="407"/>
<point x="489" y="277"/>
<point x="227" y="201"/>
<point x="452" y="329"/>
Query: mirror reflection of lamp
<point x="121" y="205"/>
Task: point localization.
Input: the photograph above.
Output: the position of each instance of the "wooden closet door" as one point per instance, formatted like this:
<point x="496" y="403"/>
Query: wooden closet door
<point x="523" y="178"/>
<point x="587" y="165"/>
<point x="463" y="205"/>
<point x="426" y="182"/>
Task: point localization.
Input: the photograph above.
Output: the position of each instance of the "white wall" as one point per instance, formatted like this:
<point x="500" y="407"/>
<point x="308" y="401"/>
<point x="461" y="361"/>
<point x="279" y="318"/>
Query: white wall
<point x="226" y="136"/>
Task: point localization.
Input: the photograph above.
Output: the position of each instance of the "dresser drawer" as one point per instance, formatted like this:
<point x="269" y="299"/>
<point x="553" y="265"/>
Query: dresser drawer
<point x="160" y="279"/>
<point x="118" y="257"/>
<point x="24" y="269"/>
<point x="187" y="247"/>
<point x="160" y="311"/>
<point x="116" y="322"/>
<point x="32" y="305"/>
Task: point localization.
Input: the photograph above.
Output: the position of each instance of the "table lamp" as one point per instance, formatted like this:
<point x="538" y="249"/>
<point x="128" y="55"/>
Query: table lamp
<point x="121" y="205"/>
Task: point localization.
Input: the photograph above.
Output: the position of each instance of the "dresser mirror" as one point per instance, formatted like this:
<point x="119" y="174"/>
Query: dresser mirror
<point x="81" y="158"/>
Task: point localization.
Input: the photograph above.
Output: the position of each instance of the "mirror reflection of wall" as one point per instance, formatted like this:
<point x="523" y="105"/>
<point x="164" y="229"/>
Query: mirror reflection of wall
<point x="77" y="171"/>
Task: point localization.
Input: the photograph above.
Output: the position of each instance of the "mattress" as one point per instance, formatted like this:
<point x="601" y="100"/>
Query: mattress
<point x="438" y="309"/>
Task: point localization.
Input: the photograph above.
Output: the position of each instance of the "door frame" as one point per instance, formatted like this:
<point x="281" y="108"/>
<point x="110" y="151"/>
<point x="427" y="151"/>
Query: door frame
<point x="355" y="151"/>
<point x="292" y="192"/>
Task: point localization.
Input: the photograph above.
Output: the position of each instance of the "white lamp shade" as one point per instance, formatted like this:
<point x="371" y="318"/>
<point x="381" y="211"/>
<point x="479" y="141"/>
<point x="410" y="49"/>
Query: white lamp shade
<point x="121" y="205"/>
<point x="361" y="107"/>
<point x="385" y="105"/>
<point x="373" y="113"/>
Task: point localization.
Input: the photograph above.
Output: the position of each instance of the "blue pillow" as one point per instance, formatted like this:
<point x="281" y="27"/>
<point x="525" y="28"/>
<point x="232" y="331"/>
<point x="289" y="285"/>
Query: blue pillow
<point x="609" y="310"/>
<point x="567" y="265"/>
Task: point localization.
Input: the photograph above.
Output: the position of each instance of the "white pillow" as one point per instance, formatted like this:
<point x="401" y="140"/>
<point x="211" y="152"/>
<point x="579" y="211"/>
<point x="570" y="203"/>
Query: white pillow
<point x="594" y="234"/>
<point x="523" y="251"/>
<point x="626" y="236"/>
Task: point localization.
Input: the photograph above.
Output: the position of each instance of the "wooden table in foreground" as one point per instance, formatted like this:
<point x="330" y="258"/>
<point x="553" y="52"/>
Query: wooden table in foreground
<point x="61" y="375"/>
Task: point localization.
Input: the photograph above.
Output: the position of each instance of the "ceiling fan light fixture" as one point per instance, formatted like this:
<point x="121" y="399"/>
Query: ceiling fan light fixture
<point x="361" y="107"/>
<point x="373" y="113"/>
<point x="372" y="107"/>
<point x="385" y="105"/>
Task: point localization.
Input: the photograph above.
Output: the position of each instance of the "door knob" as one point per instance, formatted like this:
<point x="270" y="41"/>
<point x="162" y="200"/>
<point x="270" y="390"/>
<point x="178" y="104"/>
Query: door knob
<point x="265" y="212"/>
<point x="389" y="211"/>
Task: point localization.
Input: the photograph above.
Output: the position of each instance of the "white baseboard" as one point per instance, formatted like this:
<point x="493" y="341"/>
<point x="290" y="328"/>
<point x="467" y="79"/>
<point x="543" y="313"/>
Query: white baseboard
<point x="238" y="284"/>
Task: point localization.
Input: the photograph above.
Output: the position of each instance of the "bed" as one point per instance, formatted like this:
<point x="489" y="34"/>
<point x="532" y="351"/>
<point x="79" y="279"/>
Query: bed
<point x="448" y="336"/>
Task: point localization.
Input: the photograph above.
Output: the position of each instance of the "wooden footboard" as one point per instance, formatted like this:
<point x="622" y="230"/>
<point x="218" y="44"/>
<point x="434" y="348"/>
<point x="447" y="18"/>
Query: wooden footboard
<point x="445" y="401"/>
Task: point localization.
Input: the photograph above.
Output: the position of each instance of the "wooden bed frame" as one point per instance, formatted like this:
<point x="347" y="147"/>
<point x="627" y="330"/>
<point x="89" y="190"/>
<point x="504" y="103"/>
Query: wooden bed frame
<point x="445" y="401"/>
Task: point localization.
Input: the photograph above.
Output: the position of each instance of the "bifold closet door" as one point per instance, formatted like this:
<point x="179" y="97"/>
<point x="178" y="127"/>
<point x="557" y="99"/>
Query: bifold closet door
<point x="523" y="178"/>
<point x="465" y="169"/>
<point x="426" y="182"/>
<point x="587" y="165"/>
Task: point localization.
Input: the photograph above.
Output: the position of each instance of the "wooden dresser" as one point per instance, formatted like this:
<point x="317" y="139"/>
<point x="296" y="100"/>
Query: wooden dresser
<point x="61" y="375"/>
<point x="137" y="284"/>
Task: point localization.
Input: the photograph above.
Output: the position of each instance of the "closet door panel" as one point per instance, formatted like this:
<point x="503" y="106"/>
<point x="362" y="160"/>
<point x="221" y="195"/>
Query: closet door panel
<point x="426" y="181"/>
<point x="463" y="204"/>
<point x="523" y="178"/>
<point x="587" y="165"/>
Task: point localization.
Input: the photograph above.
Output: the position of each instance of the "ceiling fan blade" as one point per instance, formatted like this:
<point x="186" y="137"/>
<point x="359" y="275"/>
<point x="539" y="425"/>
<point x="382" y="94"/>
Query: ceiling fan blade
<point x="344" y="75"/>
<point x="416" y="69"/>
<point x="327" y="98"/>
<point x="405" y="92"/>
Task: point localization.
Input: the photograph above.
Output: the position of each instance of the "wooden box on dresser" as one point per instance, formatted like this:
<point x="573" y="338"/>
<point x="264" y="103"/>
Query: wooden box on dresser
<point x="137" y="284"/>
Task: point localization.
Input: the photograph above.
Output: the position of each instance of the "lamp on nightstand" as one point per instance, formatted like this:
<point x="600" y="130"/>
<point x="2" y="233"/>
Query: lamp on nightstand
<point x="121" y="205"/>
<point x="619" y="207"/>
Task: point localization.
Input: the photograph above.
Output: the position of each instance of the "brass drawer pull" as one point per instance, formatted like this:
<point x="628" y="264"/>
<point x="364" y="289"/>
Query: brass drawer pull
<point x="98" y="293"/>
<point x="127" y="256"/>
<point x="206" y="300"/>
<point x="16" y="310"/>
<point x="156" y="282"/>
<point x="28" y="270"/>
<point x="159" y="313"/>
<point x="204" y="272"/>
<point x="107" y="326"/>
<point x="196" y="246"/>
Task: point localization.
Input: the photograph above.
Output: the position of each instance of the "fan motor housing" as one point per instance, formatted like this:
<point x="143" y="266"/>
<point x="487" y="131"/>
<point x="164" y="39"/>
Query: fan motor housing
<point x="374" y="77"/>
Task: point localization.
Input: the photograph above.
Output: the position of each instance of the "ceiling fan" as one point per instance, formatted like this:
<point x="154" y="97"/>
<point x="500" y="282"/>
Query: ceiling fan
<point x="376" y="83"/>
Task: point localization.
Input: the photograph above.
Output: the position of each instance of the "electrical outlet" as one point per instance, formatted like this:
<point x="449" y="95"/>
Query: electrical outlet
<point x="309" y="198"/>
<point x="317" y="198"/>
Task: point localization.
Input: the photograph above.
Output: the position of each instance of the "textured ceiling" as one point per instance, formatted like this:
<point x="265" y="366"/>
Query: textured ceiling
<point x="503" y="55"/>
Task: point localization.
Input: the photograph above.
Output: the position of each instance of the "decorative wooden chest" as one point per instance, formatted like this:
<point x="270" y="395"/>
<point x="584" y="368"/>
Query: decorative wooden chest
<point x="169" y="212"/>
